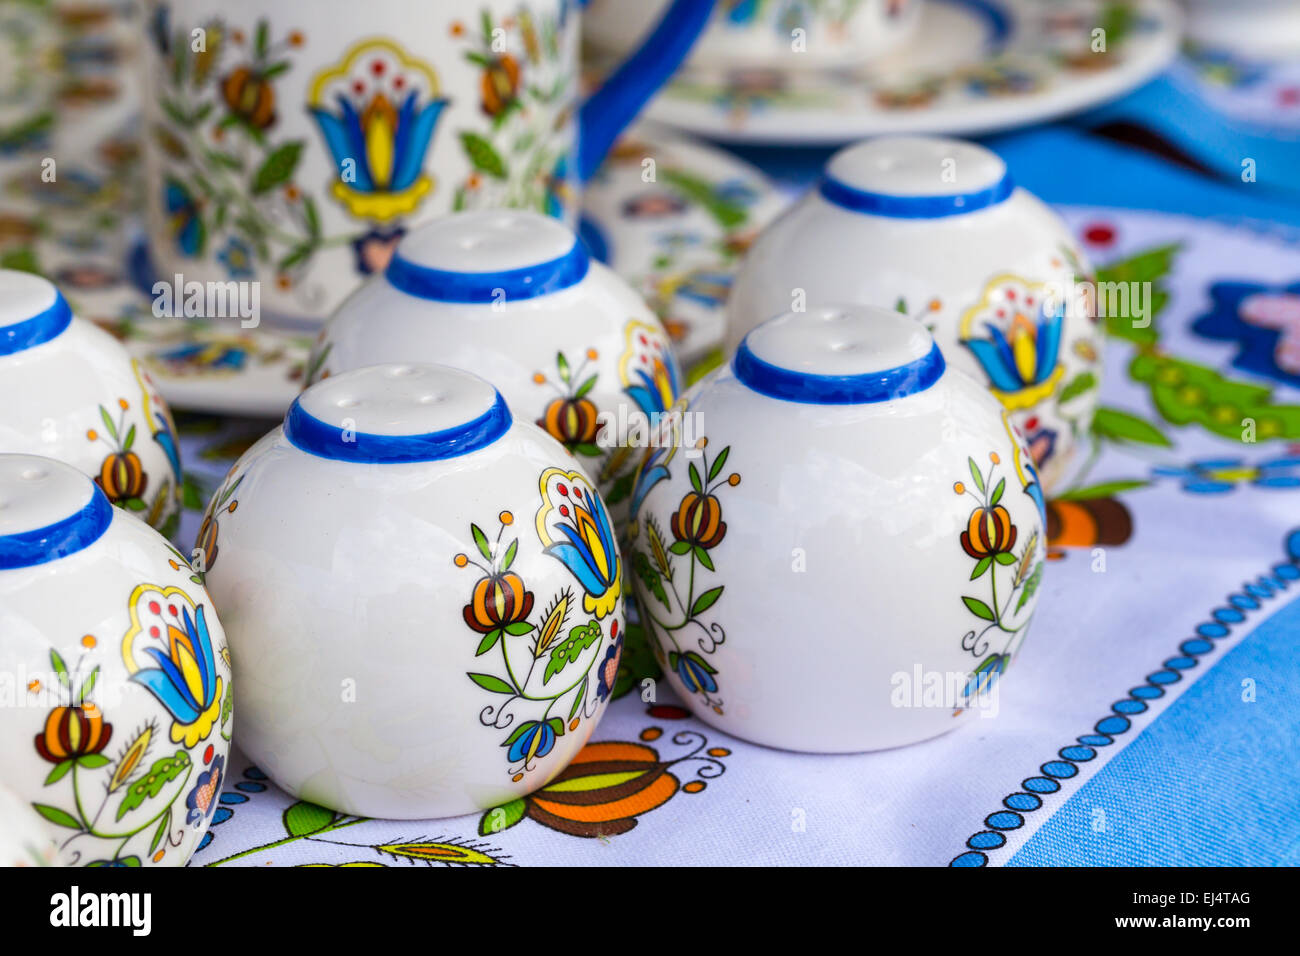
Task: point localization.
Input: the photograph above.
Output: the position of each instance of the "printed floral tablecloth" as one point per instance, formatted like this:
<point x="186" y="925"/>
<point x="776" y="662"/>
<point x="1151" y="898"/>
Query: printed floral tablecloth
<point x="1149" y="719"/>
<point x="1152" y="714"/>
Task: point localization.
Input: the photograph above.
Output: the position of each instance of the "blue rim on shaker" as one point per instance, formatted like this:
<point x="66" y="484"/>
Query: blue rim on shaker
<point x="308" y="433"/>
<point x="78" y="531"/>
<point x="810" y="389"/>
<point x="915" y="207"/>
<point x="485" y="288"/>
<point x="37" y="329"/>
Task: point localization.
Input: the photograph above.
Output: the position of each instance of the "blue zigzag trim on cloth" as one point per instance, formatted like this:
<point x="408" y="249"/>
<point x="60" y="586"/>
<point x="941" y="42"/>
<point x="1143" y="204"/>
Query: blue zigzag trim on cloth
<point x="1065" y="765"/>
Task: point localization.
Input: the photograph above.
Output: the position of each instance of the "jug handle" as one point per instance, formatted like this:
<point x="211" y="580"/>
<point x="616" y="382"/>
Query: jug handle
<point x="613" y="107"/>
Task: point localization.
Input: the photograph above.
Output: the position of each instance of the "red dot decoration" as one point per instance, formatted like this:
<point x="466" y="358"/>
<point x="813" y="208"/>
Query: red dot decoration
<point x="1099" y="234"/>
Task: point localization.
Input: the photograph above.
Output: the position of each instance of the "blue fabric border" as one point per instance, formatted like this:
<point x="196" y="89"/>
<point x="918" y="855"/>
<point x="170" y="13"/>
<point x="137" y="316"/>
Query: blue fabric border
<point x="1065" y="765"/>
<point x="1212" y="781"/>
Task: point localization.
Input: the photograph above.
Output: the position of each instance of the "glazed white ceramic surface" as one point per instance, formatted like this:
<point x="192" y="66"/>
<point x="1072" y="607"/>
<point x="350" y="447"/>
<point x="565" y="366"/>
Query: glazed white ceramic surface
<point x="292" y="145"/>
<point x="69" y="390"/>
<point x="801" y="561"/>
<point x="24" y="837"/>
<point x="970" y="67"/>
<point x="392" y="660"/>
<point x="587" y="361"/>
<point x="371" y="57"/>
<point x="118" y="730"/>
<point x="760" y="33"/>
<point x="1261" y="29"/>
<point x="950" y="241"/>
<point x="663" y="238"/>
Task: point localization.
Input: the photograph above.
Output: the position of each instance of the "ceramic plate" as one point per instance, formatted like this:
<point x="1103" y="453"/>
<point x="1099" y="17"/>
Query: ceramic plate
<point x="972" y="67"/>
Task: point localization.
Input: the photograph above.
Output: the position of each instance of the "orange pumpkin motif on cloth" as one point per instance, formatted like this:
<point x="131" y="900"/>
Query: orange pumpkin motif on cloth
<point x="609" y="785"/>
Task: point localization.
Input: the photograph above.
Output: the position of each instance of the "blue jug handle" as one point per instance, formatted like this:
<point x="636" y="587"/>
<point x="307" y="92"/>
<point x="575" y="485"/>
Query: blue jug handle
<point x="613" y="107"/>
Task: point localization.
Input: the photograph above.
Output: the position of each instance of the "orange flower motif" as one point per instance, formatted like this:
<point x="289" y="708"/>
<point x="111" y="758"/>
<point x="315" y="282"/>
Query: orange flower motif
<point x="249" y="96"/>
<point x="499" y="600"/>
<point x="122" y="477"/>
<point x="72" y="732"/>
<point x="698" y="520"/>
<point x="571" y="421"/>
<point x="500" y="85"/>
<point x="989" y="532"/>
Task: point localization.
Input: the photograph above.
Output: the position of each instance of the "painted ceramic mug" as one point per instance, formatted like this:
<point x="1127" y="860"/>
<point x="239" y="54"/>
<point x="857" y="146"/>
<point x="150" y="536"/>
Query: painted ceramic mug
<point x="768" y="33"/>
<point x="294" y="145"/>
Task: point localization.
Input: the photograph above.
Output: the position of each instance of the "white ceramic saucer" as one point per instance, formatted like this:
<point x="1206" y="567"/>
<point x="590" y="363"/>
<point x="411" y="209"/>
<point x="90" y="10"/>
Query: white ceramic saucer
<point x="972" y="67"/>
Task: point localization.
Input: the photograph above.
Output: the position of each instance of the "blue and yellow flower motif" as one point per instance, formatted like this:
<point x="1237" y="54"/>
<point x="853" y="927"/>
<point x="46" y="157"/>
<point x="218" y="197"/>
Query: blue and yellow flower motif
<point x="1212" y="476"/>
<point x="377" y="111"/>
<point x="695" y="672"/>
<point x="663" y="448"/>
<point x="575" y="530"/>
<point x="237" y="257"/>
<point x="533" y="739"/>
<point x="1025" y="470"/>
<point x="647" y="368"/>
<point x="1021" y="353"/>
<point x="162" y="427"/>
<point x="185" y="678"/>
<point x="183" y="218"/>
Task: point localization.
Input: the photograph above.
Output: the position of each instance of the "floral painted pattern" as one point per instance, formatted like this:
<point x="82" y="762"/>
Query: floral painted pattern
<point x="224" y="502"/>
<point x="1214" y="476"/>
<point x="555" y="663"/>
<point x="610" y="784"/>
<point x="522" y="159"/>
<point x="378" y="110"/>
<point x="125" y="795"/>
<point x="229" y="177"/>
<point x="122" y="474"/>
<point x="571" y="418"/>
<point x="673" y="600"/>
<point x="1016" y="341"/>
<point x="170" y="652"/>
<point x="1263" y="320"/>
<point x="989" y="539"/>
